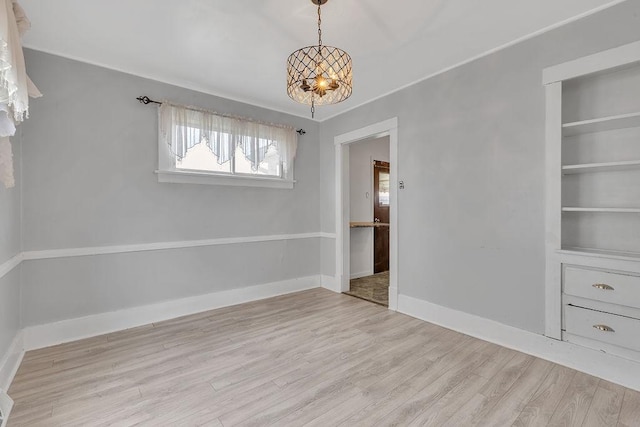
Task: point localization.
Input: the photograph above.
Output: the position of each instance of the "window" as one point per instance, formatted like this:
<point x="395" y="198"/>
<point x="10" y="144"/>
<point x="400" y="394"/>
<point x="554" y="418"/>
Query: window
<point x="202" y="147"/>
<point x="383" y="189"/>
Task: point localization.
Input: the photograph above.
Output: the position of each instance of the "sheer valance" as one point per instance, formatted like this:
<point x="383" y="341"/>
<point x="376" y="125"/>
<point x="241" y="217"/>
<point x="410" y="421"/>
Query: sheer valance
<point x="183" y="127"/>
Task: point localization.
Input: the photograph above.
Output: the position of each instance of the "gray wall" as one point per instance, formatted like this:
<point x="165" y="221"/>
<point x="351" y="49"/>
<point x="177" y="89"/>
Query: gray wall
<point x="90" y="151"/>
<point x="9" y="247"/>
<point x="58" y="289"/>
<point x="471" y="152"/>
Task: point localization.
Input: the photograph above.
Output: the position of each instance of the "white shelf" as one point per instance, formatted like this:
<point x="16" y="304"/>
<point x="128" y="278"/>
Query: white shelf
<point x="622" y="121"/>
<point x="600" y="167"/>
<point x="612" y="210"/>
<point x="627" y="256"/>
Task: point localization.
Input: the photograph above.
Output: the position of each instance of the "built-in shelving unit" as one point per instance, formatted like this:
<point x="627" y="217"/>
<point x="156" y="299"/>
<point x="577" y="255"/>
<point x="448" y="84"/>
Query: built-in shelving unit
<point x="593" y="202"/>
<point x="599" y="199"/>
<point x="621" y="121"/>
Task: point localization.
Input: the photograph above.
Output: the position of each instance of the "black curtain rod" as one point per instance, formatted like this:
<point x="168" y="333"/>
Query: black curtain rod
<point x="146" y="101"/>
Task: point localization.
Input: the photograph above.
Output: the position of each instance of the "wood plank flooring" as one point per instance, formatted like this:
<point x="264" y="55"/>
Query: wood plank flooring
<point x="312" y="358"/>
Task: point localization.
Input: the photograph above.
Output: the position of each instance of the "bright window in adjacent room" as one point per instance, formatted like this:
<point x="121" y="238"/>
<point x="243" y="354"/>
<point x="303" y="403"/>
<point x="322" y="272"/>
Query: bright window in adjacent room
<point x="383" y="189"/>
<point x="197" y="146"/>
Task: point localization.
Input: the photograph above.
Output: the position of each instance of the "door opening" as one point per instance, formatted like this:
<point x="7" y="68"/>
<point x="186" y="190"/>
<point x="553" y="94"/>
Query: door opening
<point x="382" y="219"/>
<point x="369" y="199"/>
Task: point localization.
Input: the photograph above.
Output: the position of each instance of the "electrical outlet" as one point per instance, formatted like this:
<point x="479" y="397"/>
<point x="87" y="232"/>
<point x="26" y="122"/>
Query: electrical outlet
<point x="401" y="185"/>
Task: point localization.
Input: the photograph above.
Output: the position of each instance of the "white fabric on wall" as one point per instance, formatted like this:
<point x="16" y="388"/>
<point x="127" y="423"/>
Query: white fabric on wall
<point x="15" y="85"/>
<point x="6" y="163"/>
<point x="184" y="127"/>
<point x="13" y="76"/>
<point x="7" y="125"/>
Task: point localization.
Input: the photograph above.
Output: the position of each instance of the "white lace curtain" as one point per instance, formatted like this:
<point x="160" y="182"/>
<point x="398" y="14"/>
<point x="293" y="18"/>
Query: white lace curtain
<point x="15" y="85"/>
<point x="183" y="127"/>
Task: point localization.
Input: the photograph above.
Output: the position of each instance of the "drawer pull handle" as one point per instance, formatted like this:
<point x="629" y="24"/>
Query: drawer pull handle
<point x="603" y="287"/>
<point x="604" y="328"/>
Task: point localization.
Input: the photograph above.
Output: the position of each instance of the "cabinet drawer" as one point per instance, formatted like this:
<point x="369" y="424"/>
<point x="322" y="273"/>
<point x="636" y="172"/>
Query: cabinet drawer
<point x="609" y="328"/>
<point x="602" y="286"/>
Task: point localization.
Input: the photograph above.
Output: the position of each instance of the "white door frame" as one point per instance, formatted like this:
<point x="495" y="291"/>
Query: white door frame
<point x="385" y="128"/>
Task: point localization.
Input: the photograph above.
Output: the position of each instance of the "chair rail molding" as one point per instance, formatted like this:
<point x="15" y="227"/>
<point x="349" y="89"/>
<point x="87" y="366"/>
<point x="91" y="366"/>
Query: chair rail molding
<point x="156" y="246"/>
<point x="7" y="266"/>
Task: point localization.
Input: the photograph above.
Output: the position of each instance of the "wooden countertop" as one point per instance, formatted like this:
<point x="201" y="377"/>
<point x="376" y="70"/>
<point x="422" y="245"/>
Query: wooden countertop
<point x="367" y="224"/>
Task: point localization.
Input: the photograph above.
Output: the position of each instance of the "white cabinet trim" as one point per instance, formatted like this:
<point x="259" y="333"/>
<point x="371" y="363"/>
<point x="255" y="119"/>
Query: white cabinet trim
<point x="602" y="61"/>
<point x="553" y="150"/>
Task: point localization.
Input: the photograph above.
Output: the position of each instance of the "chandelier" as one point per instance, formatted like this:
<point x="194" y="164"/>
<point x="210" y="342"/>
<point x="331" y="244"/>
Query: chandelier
<point x="319" y="75"/>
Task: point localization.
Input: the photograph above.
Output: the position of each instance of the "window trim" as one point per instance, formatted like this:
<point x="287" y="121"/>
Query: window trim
<point x="212" y="178"/>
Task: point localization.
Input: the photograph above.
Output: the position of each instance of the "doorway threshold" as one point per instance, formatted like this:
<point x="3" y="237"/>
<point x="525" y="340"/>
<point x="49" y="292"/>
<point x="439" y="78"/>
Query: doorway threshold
<point x="373" y="288"/>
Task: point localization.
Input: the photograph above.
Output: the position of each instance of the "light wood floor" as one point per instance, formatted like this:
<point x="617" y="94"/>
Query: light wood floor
<point x="311" y="358"/>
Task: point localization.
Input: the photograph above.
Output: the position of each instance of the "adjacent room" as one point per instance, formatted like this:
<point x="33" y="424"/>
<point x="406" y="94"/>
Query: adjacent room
<point x="369" y="213"/>
<point x="320" y="213"/>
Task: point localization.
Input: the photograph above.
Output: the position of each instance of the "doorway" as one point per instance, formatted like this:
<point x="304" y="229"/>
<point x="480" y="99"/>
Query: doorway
<point x="369" y="220"/>
<point x="388" y="179"/>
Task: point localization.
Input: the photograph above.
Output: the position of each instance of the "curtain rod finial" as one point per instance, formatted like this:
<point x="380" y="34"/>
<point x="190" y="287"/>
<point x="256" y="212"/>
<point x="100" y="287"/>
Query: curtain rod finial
<point x="146" y="100"/>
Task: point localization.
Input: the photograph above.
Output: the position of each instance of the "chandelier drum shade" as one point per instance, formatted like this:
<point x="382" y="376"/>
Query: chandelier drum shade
<point x="319" y="75"/>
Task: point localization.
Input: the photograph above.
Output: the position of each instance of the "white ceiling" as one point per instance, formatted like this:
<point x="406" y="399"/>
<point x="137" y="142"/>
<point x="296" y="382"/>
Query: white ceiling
<point x="238" y="48"/>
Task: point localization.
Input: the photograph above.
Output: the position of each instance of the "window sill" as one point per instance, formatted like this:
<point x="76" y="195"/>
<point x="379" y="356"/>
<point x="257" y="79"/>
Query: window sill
<point x="180" y="177"/>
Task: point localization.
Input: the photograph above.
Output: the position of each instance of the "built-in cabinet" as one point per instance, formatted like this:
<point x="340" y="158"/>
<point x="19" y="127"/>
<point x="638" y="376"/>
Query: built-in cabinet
<point x="593" y="201"/>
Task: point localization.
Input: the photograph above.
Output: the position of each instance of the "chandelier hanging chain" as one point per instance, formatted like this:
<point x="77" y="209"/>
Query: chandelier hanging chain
<point x="319" y="27"/>
<point x="313" y="104"/>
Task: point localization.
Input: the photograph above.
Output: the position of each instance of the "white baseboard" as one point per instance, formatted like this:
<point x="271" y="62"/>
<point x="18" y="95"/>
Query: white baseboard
<point x="611" y="368"/>
<point x="361" y="274"/>
<point x="11" y="360"/>
<point x="46" y="335"/>
<point x="331" y="283"/>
